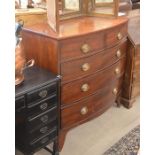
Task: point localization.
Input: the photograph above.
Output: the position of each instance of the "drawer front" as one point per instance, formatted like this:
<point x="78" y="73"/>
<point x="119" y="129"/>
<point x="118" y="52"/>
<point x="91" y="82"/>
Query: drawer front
<point x="82" y="110"/>
<point x="81" y="88"/>
<point x="82" y="67"/>
<point x="35" y="134"/>
<point x="41" y="93"/>
<point x="42" y="106"/>
<point x="43" y="141"/>
<point x="81" y="46"/>
<point x="43" y="118"/>
<point x="19" y="103"/>
<point x="115" y="35"/>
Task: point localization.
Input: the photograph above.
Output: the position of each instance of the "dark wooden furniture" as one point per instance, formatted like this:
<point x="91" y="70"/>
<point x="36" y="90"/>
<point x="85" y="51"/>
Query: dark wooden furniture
<point x="37" y="111"/>
<point x="131" y="87"/>
<point x="90" y="55"/>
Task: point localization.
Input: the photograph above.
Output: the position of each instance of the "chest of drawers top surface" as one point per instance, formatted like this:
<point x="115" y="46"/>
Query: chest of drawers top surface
<point x="78" y="27"/>
<point x="35" y="78"/>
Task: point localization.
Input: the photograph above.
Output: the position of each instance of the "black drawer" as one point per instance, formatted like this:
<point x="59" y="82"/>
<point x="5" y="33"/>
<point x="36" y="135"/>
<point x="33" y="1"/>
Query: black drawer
<point x="20" y="103"/>
<point x="35" y="134"/>
<point x="43" y="118"/>
<point x="41" y="93"/>
<point x="43" y="141"/>
<point x="41" y="106"/>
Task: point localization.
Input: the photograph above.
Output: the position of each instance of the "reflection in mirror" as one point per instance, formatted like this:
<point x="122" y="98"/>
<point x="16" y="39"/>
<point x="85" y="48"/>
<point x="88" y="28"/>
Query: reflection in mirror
<point x="105" y="7"/>
<point x="70" y="6"/>
<point x="103" y="1"/>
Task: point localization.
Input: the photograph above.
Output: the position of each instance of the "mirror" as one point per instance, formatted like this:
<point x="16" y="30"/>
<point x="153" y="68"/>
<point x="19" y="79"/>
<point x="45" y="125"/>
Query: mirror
<point x="70" y="8"/>
<point x="104" y="7"/>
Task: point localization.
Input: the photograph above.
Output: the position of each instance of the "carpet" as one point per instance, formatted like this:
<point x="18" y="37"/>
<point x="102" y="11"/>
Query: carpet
<point x="127" y="145"/>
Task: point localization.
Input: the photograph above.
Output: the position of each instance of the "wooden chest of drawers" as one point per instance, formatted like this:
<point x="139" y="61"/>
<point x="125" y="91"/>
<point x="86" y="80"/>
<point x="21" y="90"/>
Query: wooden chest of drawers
<point x="90" y="55"/>
<point x="37" y="111"/>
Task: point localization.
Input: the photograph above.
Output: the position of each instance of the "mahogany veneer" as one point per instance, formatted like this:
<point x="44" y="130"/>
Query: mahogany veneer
<point x="90" y="55"/>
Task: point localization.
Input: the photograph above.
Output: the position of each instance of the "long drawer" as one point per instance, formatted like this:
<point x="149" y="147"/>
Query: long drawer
<point x="78" y="89"/>
<point x="113" y="37"/>
<point x="82" y="110"/>
<point x="82" y="67"/>
<point x="73" y="48"/>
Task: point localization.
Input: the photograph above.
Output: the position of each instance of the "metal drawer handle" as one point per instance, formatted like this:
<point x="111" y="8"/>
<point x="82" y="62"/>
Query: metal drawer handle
<point x="115" y="91"/>
<point x="44" y="129"/>
<point x="84" y="111"/>
<point x="118" y="54"/>
<point x="44" y="118"/>
<point x="44" y="106"/>
<point x="85" y="48"/>
<point x="43" y="93"/>
<point x="119" y="36"/>
<point x="85" y="67"/>
<point x="85" y="87"/>
<point x="44" y="140"/>
<point x="117" y="71"/>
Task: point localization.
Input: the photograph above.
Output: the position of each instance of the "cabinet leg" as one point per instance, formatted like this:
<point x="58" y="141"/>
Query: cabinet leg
<point x="55" y="148"/>
<point x="61" y="139"/>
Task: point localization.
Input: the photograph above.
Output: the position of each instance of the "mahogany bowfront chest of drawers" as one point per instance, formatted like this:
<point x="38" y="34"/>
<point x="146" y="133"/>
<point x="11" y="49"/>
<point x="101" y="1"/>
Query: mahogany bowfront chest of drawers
<point x="37" y="111"/>
<point x="90" y="55"/>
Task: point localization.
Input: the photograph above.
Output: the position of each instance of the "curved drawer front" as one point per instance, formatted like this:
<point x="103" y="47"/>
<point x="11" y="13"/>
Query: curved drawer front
<point x="81" y="88"/>
<point x="84" y="109"/>
<point x="115" y="35"/>
<point x="81" y="46"/>
<point x="82" y="67"/>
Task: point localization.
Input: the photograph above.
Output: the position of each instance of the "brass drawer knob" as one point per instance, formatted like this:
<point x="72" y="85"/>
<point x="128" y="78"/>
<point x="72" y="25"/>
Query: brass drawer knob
<point x="43" y="93"/>
<point x="117" y="71"/>
<point x="85" y="87"/>
<point x="85" y="48"/>
<point x="85" y="67"/>
<point x="84" y="111"/>
<point x="118" y="54"/>
<point x="115" y="91"/>
<point x="119" y="36"/>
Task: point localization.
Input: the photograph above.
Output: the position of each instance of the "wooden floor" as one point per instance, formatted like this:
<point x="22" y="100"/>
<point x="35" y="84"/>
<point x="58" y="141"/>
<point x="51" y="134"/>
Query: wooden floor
<point x="96" y="136"/>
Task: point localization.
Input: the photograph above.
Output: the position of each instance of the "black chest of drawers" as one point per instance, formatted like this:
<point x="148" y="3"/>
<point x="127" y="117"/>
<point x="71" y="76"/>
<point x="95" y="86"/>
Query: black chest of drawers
<point x="37" y="111"/>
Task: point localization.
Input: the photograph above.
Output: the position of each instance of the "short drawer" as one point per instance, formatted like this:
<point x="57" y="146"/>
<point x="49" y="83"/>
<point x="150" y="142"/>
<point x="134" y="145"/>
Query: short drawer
<point x="43" y="118"/>
<point x="41" y="93"/>
<point x="78" y="89"/>
<point x="81" y="46"/>
<point x="82" y="67"/>
<point x="115" y="35"/>
<point x="86" y="108"/>
<point x="42" y="106"/>
<point x="35" y="134"/>
<point x="19" y="103"/>
<point x="43" y="141"/>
